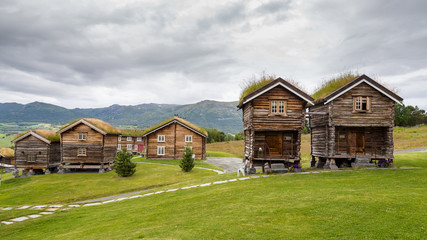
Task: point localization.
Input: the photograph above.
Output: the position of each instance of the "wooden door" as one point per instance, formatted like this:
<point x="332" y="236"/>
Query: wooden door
<point x="274" y="143"/>
<point x="356" y="142"/>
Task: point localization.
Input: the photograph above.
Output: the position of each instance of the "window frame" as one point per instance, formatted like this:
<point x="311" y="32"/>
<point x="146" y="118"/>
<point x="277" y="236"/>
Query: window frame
<point x="358" y="104"/>
<point x="161" y="150"/>
<point x="83" y="136"/>
<point x="128" y="138"/>
<point x="190" y="140"/>
<point x="129" y="148"/>
<point x="31" y="157"/>
<point x="119" y="138"/>
<point x="119" y="147"/>
<point x="139" y="139"/>
<point x="161" y="138"/>
<point x="82" y="152"/>
<point x="277" y="106"/>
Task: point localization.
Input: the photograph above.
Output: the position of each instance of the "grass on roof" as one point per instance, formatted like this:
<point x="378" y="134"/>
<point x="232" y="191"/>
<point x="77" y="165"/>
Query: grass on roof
<point x="255" y="83"/>
<point x="7" y="152"/>
<point x="97" y="123"/>
<point x="48" y="134"/>
<point x="132" y="132"/>
<point x="333" y="84"/>
<point x="195" y="127"/>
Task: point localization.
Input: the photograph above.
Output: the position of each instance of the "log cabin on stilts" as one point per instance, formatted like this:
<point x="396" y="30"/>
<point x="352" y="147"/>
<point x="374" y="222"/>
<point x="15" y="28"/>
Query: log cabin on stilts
<point x="88" y="143"/>
<point x="36" y="152"/>
<point x="352" y="123"/>
<point x="273" y="118"/>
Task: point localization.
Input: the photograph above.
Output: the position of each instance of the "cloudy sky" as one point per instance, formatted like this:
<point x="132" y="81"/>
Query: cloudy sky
<point x="98" y="53"/>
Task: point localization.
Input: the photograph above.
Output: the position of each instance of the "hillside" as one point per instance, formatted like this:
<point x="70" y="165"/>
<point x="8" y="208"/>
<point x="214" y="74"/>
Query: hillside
<point x="210" y="114"/>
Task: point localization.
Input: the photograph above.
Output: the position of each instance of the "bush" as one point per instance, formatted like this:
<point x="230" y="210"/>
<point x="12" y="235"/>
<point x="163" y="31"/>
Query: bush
<point x="187" y="162"/>
<point x="124" y="167"/>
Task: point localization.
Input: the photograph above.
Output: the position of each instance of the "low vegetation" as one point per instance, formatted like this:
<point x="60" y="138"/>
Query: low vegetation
<point x="329" y="86"/>
<point x="370" y="204"/>
<point x="187" y="161"/>
<point x="123" y="164"/>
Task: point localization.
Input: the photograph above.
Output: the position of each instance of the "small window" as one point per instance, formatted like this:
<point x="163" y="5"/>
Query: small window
<point x="160" y="150"/>
<point x="135" y="148"/>
<point x="160" y="138"/>
<point x="129" y="139"/>
<point x="129" y="147"/>
<point x="82" y="136"/>
<point x="278" y="107"/>
<point x="31" y="158"/>
<point x="120" y="138"/>
<point x="188" y="138"/>
<point x="139" y="139"/>
<point x="281" y="107"/>
<point x="362" y="104"/>
<point x="273" y="106"/>
<point x="119" y="147"/>
<point x="82" y="152"/>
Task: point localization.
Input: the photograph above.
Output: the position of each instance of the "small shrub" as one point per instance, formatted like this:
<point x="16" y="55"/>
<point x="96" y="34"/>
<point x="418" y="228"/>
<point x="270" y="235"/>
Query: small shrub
<point x="124" y="167"/>
<point x="187" y="162"/>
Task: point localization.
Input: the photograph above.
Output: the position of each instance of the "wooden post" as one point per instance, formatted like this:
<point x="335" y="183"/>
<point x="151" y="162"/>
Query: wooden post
<point x="174" y="142"/>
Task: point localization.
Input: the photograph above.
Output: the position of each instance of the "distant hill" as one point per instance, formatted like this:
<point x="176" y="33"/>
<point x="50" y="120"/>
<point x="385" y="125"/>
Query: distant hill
<point x="210" y="114"/>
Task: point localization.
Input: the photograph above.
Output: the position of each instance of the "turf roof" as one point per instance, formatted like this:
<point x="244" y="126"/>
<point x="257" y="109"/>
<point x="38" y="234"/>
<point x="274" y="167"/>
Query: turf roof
<point x="48" y="134"/>
<point x="185" y="122"/>
<point x="97" y="123"/>
<point x="132" y="132"/>
<point x="254" y="84"/>
<point x="333" y="84"/>
<point x="7" y="152"/>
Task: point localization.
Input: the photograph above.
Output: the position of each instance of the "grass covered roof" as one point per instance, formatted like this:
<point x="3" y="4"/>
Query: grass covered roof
<point x="333" y="84"/>
<point x="253" y="84"/>
<point x="132" y="132"/>
<point x="183" y="121"/>
<point x="104" y="126"/>
<point x="47" y="134"/>
<point x="7" y="152"/>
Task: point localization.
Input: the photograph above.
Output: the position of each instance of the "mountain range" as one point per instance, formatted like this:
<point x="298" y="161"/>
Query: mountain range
<point x="223" y="116"/>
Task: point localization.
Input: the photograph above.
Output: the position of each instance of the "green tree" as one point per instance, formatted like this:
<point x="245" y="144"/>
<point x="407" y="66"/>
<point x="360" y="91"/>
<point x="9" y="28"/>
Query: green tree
<point x="124" y="167"/>
<point x="239" y="136"/>
<point x="187" y="162"/>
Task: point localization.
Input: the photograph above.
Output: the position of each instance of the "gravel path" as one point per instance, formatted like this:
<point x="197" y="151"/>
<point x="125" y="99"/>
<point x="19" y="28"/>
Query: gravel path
<point x="421" y="149"/>
<point x="228" y="164"/>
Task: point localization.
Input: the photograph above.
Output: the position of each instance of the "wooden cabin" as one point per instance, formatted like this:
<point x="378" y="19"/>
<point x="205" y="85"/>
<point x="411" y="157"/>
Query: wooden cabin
<point x="273" y="118"/>
<point x="88" y="143"/>
<point x="168" y="139"/>
<point x="353" y="125"/>
<point x="7" y="157"/>
<point x="37" y="151"/>
<point x="132" y="140"/>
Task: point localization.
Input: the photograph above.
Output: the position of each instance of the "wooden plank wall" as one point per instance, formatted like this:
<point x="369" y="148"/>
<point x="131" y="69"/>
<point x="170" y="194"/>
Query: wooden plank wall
<point x="262" y="120"/>
<point x="382" y="109"/>
<point x="34" y="146"/>
<point x="94" y="143"/>
<point x="175" y="142"/>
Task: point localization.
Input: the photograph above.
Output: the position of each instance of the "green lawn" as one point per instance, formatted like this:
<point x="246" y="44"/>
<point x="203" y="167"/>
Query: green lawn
<point x="369" y="204"/>
<point x="176" y="162"/>
<point x="60" y="188"/>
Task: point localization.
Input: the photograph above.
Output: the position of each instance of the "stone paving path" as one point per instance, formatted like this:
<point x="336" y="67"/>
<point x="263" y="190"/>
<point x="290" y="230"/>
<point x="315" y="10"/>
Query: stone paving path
<point x="52" y="209"/>
<point x="229" y="164"/>
<point x="421" y="149"/>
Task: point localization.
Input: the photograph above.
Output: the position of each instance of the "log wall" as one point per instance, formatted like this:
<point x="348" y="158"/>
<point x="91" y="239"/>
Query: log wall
<point x="175" y="142"/>
<point x="33" y="146"/>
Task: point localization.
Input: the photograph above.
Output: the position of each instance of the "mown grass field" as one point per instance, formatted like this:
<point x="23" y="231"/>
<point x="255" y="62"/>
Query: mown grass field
<point x="66" y="188"/>
<point x="369" y="204"/>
